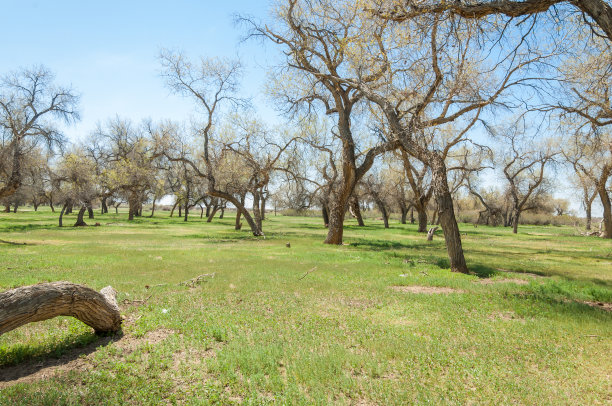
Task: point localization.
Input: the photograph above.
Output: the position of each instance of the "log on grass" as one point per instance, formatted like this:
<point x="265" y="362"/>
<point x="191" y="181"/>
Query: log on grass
<point x="44" y="301"/>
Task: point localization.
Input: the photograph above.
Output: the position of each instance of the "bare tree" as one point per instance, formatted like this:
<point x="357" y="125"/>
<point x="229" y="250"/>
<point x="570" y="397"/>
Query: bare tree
<point x="317" y="40"/>
<point x="29" y="106"/>
<point x="523" y="164"/>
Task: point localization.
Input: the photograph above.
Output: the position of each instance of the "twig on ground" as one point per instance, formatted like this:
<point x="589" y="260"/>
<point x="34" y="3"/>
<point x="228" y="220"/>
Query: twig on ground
<point x="197" y="280"/>
<point x="307" y="273"/>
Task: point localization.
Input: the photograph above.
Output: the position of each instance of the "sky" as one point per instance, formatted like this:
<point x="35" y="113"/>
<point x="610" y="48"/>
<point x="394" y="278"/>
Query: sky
<point x="108" y="51"/>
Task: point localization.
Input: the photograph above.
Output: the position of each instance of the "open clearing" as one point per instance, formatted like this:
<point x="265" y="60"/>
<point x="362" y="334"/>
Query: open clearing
<point x="380" y="320"/>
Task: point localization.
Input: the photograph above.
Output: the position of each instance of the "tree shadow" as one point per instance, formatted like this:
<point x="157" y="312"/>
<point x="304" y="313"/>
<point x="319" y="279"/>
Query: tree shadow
<point x="24" y="363"/>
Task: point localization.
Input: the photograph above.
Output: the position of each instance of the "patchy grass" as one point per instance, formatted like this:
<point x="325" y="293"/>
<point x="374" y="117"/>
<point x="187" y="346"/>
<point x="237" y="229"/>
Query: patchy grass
<point x="378" y="321"/>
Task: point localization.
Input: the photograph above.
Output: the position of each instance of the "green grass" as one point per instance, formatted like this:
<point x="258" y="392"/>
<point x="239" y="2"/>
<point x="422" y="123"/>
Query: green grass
<point x="256" y="333"/>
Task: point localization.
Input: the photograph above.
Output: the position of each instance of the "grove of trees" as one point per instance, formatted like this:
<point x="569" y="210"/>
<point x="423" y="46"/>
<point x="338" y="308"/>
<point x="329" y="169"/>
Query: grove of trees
<point x="423" y="109"/>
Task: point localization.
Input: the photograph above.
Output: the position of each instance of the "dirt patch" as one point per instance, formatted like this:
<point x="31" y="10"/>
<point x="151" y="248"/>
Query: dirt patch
<point x="76" y="359"/>
<point x="429" y="290"/>
<point x="598" y="305"/>
<point x="498" y="281"/>
<point x="507" y="315"/>
<point x="531" y="275"/>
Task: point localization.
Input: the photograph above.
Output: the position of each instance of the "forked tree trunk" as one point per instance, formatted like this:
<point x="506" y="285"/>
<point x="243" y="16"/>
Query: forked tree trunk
<point x="44" y="301"/>
<point x="256" y="209"/>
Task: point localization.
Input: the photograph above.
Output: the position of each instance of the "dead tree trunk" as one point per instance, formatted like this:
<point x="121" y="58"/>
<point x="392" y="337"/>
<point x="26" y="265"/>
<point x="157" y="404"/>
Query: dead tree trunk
<point x="44" y="301"/>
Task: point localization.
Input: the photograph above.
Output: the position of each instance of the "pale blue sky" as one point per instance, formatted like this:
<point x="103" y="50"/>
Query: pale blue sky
<point x="108" y="50"/>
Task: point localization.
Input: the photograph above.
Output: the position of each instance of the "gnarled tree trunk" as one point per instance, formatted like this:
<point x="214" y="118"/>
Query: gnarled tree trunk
<point x="44" y="301"/>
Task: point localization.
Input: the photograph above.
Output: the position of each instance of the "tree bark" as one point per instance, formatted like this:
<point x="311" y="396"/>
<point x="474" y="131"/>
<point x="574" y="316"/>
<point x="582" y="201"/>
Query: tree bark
<point x="61" y="216"/>
<point x="336" y="223"/>
<point x="422" y="216"/>
<point x="44" y="301"/>
<point x="90" y="211"/>
<point x="153" y="208"/>
<point x="446" y="213"/>
<point x="515" y="222"/>
<point x="588" y="216"/>
<point x="211" y="216"/>
<point x="356" y="211"/>
<point x="412" y="215"/>
<point x="325" y="214"/>
<point x="607" y="211"/>
<point x="15" y="208"/>
<point x="104" y="208"/>
<point x="80" y="222"/>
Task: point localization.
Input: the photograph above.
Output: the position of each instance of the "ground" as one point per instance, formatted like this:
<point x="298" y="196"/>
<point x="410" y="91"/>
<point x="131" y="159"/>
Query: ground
<point x="380" y="320"/>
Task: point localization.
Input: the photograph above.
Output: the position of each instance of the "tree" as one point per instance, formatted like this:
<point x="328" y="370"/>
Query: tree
<point x="30" y="105"/>
<point x="523" y="165"/>
<point x="318" y="39"/>
<point x="442" y="90"/>
<point x="79" y="183"/>
<point x="591" y="155"/>
<point x="132" y="159"/>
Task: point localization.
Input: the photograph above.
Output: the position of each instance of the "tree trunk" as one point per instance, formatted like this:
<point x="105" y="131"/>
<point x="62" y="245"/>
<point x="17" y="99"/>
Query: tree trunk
<point x="515" y="221"/>
<point x="607" y="211"/>
<point x="412" y="216"/>
<point x="446" y="211"/>
<point x="588" y="215"/>
<point x="61" y="216"/>
<point x="80" y="222"/>
<point x="404" y="211"/>
<point x="51" y="205"/>
<point x="336" y="223"/>
<point x="15" y="208"/>
<point x="256" y="209"/>
<point x="7" y="208"/>
<point x="180" y="207"/>
<point x="35" y="206"/>
<point x="211" y="216"/>
<point x="356" y="211"/>
<point x="153" y="208"/>
<point x="90" y="211"/>
<point x="186" y="211"/>
<point x="223" y="213"/>
<point x="104" y="208"/>
<point x="44" y="301"/>
<point x="422" y="216"/>
<point x="325" y="214"/>
<point x="263" y="207"/>
<point x="69" y="209"/>
<point x="238" y="224"/>
<point x="173" y="207"/>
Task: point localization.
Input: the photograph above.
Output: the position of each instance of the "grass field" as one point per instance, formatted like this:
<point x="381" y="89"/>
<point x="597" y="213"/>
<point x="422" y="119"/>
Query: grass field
<point x="311" y="324"/>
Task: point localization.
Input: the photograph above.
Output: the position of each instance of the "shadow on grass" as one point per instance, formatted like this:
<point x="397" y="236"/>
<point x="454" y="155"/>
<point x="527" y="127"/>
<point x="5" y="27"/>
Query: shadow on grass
<point x="20" y="362"/>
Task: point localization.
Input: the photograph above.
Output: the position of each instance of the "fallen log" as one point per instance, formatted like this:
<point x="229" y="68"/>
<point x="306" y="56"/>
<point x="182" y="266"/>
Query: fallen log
<point x="44" y="301"/>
